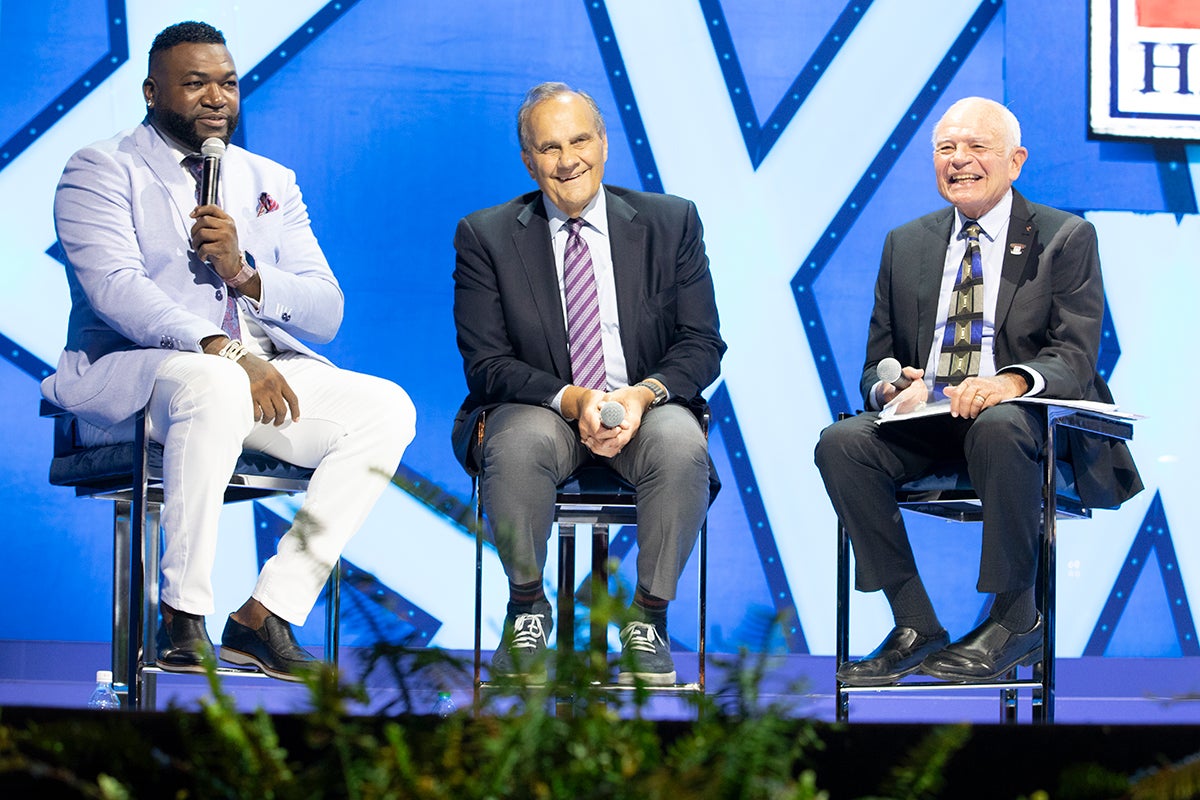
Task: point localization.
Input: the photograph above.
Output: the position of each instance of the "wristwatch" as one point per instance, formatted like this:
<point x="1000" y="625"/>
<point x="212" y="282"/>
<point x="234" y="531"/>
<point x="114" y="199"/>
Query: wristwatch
<point x="660" y="394"/>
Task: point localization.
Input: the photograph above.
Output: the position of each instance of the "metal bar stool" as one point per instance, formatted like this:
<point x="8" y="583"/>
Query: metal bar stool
<point x="593" y="495"/>
<point x="130" y="475"/>
<point x="947" y="493"/>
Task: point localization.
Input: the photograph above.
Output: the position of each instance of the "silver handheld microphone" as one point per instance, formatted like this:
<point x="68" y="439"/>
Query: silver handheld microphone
<point x="612" y="413"/>
<point x="888" y="370"/>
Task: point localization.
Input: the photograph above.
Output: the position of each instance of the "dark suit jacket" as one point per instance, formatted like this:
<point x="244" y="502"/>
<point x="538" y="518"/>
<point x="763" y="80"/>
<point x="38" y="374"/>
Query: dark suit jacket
<point x="509" y="316"/>
<point x="1048" y="317"/>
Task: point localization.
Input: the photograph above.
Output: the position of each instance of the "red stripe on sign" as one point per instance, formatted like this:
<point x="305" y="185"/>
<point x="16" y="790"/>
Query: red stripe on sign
<point x="1168" y="13"/>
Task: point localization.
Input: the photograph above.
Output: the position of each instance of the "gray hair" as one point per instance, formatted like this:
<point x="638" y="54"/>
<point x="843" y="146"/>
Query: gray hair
<point x="1007" y="120"/>
<point x="548" y="91"/>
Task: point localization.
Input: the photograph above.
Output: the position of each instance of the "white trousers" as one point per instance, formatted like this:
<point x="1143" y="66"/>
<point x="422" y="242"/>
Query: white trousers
<point x="353" y="430"/>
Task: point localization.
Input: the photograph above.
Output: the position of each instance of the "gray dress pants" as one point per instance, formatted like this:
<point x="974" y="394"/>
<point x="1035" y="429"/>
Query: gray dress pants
<point x="528" y="450"/>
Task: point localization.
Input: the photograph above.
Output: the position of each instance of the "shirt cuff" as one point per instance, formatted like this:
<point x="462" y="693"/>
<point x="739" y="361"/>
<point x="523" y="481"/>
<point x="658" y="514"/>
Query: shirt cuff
<point x="1037" y="384"/>
<point x="556" y="401"/>
<point x="873" y="399"/>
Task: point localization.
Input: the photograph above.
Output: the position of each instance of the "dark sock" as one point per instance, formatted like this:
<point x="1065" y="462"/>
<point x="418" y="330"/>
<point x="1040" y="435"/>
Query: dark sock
<point x="522" y="596"/>
<point x="911" y="606"/>
<point x="652" y="609"/>
<point x="1015" y="610"/>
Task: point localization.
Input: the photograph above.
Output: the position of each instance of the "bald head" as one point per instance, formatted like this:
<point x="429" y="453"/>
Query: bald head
<point x="981" y="108"/>
<point x="977" y="154"/>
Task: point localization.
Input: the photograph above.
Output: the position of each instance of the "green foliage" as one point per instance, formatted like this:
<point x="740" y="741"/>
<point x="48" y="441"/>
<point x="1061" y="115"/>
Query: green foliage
<point x="1180" y="781"/>
<point x="920" y="775"/>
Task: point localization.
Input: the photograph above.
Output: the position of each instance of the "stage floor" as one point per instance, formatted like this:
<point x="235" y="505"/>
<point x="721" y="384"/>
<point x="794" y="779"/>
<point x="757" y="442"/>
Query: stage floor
<point x="1090" y="691"/>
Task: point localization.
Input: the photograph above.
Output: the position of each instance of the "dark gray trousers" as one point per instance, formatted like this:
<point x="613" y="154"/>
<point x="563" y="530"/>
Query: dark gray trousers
<point x="528" y="450"/>
<point x="862" y="464"/>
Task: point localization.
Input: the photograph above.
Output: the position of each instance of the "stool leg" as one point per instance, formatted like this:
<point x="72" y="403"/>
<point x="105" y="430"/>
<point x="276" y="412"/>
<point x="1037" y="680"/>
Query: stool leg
<point x="151" y="574"/>
<point x="478" y="684"/>
<point x="124" y="669"/>
<point x="702" y="602"/>
<point x="566" y="588"/>
<point x="565" y="705"/>
<point x="333" y="602"/>
<point x="599" y="626"/>
<point x="842" y="635"/>
<point x="1008" y="700"/>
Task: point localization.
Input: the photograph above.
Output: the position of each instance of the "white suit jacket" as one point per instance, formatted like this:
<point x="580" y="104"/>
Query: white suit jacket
<point x="139" y="293"/>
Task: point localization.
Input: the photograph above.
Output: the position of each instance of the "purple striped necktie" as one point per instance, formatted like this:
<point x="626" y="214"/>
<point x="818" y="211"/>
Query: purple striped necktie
<point x="230" y="323"/>
<point x="583" y="312"/>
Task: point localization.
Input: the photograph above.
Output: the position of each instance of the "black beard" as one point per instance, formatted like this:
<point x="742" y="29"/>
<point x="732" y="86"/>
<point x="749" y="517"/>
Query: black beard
<point x="183" y="129"/>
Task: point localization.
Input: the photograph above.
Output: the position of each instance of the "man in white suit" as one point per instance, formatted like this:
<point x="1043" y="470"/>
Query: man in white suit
<point x="195" y="313"/>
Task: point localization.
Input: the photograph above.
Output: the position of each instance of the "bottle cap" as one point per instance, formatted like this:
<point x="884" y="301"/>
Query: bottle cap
<point x="103" y="676"/>
<point x="443" y="695"/>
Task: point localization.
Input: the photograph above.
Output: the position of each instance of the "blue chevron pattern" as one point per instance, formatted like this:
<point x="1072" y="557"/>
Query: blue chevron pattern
<point x="384" y="604"/>
<point x="69" y="97"/>
<point x="1153" y="539"/>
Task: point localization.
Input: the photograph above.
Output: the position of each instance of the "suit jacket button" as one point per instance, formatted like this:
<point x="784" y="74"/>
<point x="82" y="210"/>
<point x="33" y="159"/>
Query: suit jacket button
<point x="286" y="316"/>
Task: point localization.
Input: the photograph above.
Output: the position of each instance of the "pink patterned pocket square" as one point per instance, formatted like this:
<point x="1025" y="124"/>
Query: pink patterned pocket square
<point x="266" y="204"/>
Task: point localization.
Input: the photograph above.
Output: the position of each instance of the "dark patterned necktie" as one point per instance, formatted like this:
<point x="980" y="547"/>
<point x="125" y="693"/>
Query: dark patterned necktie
<point x="962" y="341"/>
<point x="583" y="312"/>
<point x="229" y="324"/>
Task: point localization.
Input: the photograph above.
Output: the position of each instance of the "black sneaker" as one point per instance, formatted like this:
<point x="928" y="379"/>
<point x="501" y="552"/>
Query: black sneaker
<point x="645" y="655"/>
<point x="524" y="645"/>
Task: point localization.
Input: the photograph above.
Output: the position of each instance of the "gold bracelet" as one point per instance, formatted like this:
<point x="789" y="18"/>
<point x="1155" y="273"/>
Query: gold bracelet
<point x="234" y="350"/>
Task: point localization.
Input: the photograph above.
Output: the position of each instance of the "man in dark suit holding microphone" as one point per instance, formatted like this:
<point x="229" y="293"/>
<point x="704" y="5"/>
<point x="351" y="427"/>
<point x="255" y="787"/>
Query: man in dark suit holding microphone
<point x="991" y="299"/>
<point x="566" y="299"/>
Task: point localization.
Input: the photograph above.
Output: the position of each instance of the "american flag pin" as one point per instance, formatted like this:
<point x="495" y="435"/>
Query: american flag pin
<point x="1016" y="249"/>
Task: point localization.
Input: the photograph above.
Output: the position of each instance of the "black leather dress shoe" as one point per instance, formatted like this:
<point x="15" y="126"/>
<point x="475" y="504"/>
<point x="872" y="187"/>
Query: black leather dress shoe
<point x="985" y="653"/>
<point x="182" y="643"/>
<point x="272" y="648"/>
<point x="900" y="654"/>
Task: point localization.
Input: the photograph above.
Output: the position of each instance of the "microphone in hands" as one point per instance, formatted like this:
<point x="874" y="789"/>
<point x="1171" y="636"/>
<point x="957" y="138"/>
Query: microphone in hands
<point x="612" y="413"/>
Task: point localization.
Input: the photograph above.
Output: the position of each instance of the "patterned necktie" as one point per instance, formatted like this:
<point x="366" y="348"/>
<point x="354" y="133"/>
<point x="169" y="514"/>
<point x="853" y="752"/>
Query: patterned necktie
<point x="583" y="312"/>
<point x="963" y="338"/>
<point x="229" y="324"/>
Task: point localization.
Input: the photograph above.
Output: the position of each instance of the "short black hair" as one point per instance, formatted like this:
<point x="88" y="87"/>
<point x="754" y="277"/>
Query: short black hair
<point x="184" y="33"/>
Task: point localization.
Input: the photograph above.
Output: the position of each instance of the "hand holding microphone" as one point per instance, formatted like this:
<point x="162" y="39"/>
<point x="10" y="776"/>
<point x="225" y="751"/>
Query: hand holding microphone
<point x="214" y="235"/>
<point x="889" y="371"/>
<point x="896" y="384"/>
<point x="210" y="176"/>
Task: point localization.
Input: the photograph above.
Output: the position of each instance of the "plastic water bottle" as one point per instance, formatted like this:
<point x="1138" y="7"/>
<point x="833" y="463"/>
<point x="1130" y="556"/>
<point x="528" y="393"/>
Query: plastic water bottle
<point x="444" y="706"/>
<point x="104" y="696"/>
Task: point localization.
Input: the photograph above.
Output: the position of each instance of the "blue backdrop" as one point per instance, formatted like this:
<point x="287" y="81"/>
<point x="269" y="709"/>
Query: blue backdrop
<point x="801" y="130"/>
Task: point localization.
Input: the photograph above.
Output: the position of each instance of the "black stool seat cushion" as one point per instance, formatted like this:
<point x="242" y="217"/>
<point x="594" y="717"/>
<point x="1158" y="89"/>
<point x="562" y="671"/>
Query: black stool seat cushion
<point x="952" y="476"/>
<point x="111" y="464"/>
<point x="596" y="479"/>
